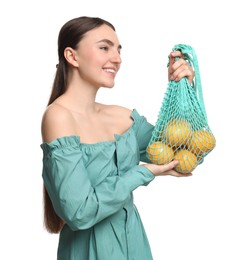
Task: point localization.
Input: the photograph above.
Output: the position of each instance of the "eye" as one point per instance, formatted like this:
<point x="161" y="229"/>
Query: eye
<point x="119" y="49"/>
<point x="104" y="48"/>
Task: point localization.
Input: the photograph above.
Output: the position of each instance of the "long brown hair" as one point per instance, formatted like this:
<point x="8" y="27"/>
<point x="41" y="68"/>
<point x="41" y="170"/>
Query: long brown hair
<point x="70" y="35"/>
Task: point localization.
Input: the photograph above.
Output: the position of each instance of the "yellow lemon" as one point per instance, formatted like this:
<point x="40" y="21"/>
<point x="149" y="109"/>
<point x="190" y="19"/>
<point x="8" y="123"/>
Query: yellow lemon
<point x="177" y="132"/>
<point x="159" y="153"/>
<point x="187" y="161"/>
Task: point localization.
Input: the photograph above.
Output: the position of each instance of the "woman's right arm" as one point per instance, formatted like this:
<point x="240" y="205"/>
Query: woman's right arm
<point x="75" y="200"/>
<point x="79" y="203"/>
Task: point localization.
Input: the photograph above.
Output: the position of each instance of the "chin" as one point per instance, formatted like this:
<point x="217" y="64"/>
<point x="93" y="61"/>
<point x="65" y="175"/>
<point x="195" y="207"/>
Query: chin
<point x="111" y="85"/>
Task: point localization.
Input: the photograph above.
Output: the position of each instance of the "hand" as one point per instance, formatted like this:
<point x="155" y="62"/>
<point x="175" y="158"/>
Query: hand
<point x="180" y="68"/>
<point x="166" y="169"/>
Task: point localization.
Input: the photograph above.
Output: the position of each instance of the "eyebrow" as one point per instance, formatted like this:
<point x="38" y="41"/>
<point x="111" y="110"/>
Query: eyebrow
<point x="110" y="43"/>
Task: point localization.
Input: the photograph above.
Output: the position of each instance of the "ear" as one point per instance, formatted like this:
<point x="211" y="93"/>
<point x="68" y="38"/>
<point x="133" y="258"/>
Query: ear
<point x="70" y="56"/>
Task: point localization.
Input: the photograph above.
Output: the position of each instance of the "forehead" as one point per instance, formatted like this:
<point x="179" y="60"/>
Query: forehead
<point x="100" y="33"/>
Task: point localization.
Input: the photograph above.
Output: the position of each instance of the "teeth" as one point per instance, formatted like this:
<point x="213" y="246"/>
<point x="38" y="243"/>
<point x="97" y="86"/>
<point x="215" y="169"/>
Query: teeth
<point x="110" y="70"/>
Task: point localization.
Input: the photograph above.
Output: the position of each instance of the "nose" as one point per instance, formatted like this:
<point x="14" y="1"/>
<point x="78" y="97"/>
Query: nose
<point x="116" y="57"/>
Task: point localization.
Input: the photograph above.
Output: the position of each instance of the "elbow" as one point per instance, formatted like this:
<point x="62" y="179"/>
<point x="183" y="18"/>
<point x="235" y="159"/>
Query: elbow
<point x="76" y="224"/>
<point x="80" y="219"/>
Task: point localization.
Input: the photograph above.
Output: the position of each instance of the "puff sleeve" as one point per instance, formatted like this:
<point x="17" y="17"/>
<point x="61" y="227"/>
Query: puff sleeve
<point x="80" y="204"/>
<point x="143" y="130"/>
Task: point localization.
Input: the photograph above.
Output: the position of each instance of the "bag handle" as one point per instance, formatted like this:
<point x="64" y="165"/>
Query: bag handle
<point x="190" y="55"/>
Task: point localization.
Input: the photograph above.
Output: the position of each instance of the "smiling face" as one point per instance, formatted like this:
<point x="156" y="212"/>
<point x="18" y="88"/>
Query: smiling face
<point x="98" y="57"/>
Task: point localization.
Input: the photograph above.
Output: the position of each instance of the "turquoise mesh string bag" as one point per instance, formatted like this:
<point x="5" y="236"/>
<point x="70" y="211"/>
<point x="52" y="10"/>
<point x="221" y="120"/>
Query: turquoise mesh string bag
<point x="182" y="131"/>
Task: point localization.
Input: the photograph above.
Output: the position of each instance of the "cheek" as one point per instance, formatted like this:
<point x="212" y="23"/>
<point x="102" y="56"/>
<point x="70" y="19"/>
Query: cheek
<point x="92" y="60"/>
<point x="86" y="57"/>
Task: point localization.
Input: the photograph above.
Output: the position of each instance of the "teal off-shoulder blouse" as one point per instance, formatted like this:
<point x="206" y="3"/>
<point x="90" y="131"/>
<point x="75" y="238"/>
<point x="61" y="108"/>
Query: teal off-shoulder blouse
<point x="91" y="188"/>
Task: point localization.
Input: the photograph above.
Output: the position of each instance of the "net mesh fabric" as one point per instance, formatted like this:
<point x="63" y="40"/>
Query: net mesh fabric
<point x="182" y="131"/>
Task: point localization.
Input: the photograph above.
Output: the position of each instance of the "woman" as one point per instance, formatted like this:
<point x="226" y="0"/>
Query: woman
<point x="92" y="151"/>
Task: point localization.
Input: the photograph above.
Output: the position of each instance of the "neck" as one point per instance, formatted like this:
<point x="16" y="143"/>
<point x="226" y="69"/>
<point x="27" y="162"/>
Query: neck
<point x="80" y="98"/>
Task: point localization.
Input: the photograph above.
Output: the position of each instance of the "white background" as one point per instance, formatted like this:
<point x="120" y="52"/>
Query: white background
<point x="201" y="217"/>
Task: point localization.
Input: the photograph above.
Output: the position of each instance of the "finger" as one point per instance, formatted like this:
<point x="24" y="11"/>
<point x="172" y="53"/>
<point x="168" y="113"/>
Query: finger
<point x="181" y="73"/>
<point x="181" y="69"/>
<point x="176" y="64"/>
<point x="171" y="60"/>
<point x="176" y="54"/>
<point x="172" y="57"/>
<point x="169" y="166"/>
<point x="178" y="174"/>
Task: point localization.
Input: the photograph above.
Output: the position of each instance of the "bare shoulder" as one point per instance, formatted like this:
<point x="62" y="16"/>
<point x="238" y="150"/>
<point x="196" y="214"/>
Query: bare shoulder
<point x="117" y="111"/>
<point x="117" y="116"/>
<point x="57" y="121"/>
